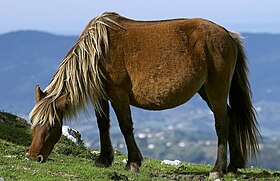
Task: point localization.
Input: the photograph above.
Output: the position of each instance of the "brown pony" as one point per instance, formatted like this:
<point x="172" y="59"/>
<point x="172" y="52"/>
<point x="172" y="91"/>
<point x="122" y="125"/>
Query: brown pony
<point x="153" y="65"/>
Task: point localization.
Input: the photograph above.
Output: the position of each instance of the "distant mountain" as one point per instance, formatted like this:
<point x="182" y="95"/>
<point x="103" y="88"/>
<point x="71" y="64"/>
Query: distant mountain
<point x="28" y="58"/>
<point x="264" y="62"/>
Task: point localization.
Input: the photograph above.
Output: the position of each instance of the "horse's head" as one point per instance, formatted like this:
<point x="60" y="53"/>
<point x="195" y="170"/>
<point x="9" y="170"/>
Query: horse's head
<point x="44" y="137"/>
<point x="46" y="134"/>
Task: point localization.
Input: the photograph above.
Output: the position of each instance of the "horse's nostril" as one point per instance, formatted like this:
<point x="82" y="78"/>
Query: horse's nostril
<point x="40" y="158"/>
<point x="27" y="149"/>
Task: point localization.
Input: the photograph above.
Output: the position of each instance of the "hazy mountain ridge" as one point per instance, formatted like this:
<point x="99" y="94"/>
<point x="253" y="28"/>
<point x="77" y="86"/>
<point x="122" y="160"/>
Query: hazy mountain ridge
<point x="28" y="58"/>
<point x="264" y="62"/>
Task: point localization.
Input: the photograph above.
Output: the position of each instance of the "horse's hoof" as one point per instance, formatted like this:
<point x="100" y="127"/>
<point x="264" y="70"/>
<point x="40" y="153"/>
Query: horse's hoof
<point x="133" y="166"/>
<point x="103" y="163"/>
<point x="215" y="175"/>
<point x="232" y="170"/>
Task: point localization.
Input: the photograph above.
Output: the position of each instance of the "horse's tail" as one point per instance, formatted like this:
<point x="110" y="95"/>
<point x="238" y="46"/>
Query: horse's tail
<point x="243" y="114"/>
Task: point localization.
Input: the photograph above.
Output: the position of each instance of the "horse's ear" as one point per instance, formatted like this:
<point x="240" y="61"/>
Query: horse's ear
<point x="39" y="94"/>
<point x="62" y="101"/>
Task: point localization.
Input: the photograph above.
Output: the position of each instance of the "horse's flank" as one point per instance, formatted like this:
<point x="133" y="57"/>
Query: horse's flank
<point x="78" y="74"/>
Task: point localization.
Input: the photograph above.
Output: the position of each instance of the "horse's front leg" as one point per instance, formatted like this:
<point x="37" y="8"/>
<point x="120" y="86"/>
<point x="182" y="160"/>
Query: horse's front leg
<point x="120" y="103"/>
<point x="107" y="153"/>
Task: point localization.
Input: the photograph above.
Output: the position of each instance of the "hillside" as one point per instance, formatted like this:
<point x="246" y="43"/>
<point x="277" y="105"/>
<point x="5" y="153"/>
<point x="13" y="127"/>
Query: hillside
<point x="75" y="162"/>
<point x="187" y="133"/>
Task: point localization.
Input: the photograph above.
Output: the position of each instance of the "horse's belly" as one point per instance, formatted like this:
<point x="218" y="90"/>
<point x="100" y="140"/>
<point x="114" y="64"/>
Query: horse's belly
<point x="157" y="103"/>
<point x="164" y="94"/>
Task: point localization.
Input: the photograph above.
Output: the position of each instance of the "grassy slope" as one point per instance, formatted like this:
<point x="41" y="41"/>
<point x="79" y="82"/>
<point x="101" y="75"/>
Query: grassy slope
<point x="75" y="162"/>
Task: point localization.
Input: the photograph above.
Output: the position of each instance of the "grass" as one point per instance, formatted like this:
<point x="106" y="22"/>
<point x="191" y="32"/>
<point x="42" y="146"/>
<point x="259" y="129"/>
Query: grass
<point x="75" y="162"/>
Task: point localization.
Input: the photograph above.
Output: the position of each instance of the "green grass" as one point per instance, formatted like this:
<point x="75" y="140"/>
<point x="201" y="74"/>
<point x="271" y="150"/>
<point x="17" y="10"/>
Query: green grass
<point x="75" y="162"/>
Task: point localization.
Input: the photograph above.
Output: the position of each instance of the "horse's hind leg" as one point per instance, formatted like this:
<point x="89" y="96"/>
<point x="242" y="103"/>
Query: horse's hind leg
<point x="216" y="99"/>
<point x="120" y="103"/>
<point x="107" y="153"/>
<point x="236" y="158"/>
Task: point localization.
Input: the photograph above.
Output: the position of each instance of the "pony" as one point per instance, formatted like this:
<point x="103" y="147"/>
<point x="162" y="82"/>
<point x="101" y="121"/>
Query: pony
<point x="153" y="65"/>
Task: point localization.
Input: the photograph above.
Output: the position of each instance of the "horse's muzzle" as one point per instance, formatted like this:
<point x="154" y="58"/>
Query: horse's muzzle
<point x="39" y="158"/>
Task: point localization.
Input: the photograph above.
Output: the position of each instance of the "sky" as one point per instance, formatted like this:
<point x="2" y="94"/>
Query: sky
<point x="68" y="17"/>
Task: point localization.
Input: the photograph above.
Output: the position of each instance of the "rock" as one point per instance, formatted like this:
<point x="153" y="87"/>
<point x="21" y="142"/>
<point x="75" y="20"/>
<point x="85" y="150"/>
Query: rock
<point x="10" y="156"/>
<point x="169" y="162"/>
<point x="72" y="134"/>
<point x="124" y="161"/>
<point x="94" y="152"/>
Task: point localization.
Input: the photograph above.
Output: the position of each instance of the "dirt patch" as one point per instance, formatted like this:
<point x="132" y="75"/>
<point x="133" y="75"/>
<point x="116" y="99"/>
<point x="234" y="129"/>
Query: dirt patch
<point x="115" y="176"/>
<point x="178" y="176"/>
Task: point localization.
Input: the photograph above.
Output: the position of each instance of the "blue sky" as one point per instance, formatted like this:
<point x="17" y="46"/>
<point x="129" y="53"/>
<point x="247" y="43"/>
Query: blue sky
<point x="70" y="16"/>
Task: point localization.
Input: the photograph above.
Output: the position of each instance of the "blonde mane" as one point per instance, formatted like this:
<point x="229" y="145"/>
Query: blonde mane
<point x="78" y="74"/>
